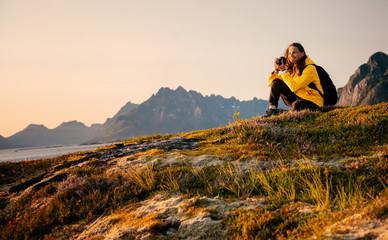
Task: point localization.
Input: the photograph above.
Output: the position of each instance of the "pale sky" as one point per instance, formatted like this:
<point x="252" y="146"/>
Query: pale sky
<point x="64" y="60"/>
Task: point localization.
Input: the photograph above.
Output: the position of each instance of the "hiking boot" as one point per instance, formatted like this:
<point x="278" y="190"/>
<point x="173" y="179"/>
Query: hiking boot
<point x="271" y="112"/>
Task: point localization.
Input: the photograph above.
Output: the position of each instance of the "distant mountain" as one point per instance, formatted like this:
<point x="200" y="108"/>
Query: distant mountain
<point x="71" y="132"/>
<point x="167" y="111"/>
<point x="122" y="112"/>
<point x="172" y="111"/>
<point x="126" y="109"/>
<point x="368" y="85"/>
<point x="5" y="143"/>
<point x="33" y="135"/>
<point x="39" y="135"/>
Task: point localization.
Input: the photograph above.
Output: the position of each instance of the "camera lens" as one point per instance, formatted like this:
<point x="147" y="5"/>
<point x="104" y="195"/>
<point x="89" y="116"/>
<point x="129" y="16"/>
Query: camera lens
<point x="281" y="60"/>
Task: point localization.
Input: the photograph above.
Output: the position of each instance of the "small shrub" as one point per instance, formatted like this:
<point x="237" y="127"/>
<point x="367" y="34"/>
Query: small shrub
<point x="317" y="188"/>
<point x="144" y="178"/>
<point x="278" y="184"/>
<point x="203" y="181"/>
<point x="169" y="181"/>
<point x="234" y="180"/>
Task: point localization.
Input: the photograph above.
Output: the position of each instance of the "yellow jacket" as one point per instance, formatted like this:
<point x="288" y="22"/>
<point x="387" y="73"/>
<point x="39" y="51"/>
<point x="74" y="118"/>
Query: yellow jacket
<point x="299" y="84"/>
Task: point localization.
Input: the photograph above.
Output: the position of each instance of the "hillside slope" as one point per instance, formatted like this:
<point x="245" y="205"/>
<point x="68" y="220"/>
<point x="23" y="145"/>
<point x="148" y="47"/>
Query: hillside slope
<point x="293" y="176"/>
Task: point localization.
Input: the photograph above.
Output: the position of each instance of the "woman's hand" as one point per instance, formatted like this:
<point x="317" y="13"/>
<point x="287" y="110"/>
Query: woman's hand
<point x="281" y="67"/>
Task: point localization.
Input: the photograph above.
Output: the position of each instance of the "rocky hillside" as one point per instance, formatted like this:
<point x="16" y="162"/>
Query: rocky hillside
<point x="301" y="175"/>
<point x="368" y="85"/>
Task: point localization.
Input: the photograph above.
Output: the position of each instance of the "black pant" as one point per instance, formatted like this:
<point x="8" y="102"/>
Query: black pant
<point x="280" y="89"/>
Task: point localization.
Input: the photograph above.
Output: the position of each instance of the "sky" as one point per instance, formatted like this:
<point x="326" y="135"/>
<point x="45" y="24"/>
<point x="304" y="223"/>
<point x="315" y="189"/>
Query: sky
<point x="65" y="60"/>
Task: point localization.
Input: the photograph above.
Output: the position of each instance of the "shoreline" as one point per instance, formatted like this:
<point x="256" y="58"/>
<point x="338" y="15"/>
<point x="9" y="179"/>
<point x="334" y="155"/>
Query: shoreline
<point x="35" y="153"/>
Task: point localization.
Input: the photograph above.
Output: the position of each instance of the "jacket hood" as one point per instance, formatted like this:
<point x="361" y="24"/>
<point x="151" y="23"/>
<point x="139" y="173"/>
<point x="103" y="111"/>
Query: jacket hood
<point x="309" y="61"/>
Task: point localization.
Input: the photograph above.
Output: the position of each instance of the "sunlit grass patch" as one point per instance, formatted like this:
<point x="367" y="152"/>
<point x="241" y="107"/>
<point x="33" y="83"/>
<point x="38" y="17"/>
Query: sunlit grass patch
<point x="315" y="134"/>
<point x="145" y="178"/>
<point x="207" y="148"/>
<point x="143" y="139"/>
<point x="156" y="152"/>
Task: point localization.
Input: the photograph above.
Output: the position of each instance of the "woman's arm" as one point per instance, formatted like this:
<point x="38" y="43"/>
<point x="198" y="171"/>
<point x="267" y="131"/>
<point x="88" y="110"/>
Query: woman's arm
<point x="272" y="77"/>
<point x="297" y="82"/>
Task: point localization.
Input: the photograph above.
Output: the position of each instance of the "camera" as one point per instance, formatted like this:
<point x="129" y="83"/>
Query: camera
<point x="281" y="61"/>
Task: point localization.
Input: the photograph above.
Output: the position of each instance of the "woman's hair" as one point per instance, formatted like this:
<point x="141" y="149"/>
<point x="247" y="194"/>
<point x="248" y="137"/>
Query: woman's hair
<point x="302" y="63"/>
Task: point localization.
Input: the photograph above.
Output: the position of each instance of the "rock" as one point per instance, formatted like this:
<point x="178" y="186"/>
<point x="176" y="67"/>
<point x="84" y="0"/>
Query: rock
<point x="169" y="217"/>
<point x="26" y="184"/>
<point x="358" y="227"/>
<point x="55" y="178"/>
<point x="368" y="85"/>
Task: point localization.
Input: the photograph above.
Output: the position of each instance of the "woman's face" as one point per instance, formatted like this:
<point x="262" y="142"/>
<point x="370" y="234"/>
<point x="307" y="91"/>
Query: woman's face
<point x="294" y="55"/>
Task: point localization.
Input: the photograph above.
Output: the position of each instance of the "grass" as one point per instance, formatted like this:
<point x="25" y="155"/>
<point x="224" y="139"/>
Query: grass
<point x="277" y="184"/>
<point x="341" y="132"/>
<point x="233" y="180"/>
<point x="144" y="178"/>
<point x="314" y="137"/>
<point x="170" y="181"/>
<point x="84" y="197"/>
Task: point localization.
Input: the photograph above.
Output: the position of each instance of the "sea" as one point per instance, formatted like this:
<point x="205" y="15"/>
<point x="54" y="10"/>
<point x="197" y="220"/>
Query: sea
<point x="33" y="153"/>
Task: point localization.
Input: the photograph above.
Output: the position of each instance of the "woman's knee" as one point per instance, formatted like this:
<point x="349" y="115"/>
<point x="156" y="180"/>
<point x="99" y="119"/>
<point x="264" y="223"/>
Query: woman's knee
<point x="278" y="85"/>
<point x="303" y="105"/>
<point x="277" y="82"/>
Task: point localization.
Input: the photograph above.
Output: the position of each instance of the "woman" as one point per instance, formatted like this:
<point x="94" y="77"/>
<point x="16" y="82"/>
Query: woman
<point x="290" y="82"/>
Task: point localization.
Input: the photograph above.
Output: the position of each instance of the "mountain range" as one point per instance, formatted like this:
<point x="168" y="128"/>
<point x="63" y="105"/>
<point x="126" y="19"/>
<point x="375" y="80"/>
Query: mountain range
<point x="167" y="111"/>
<point x="173" y="111"/>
